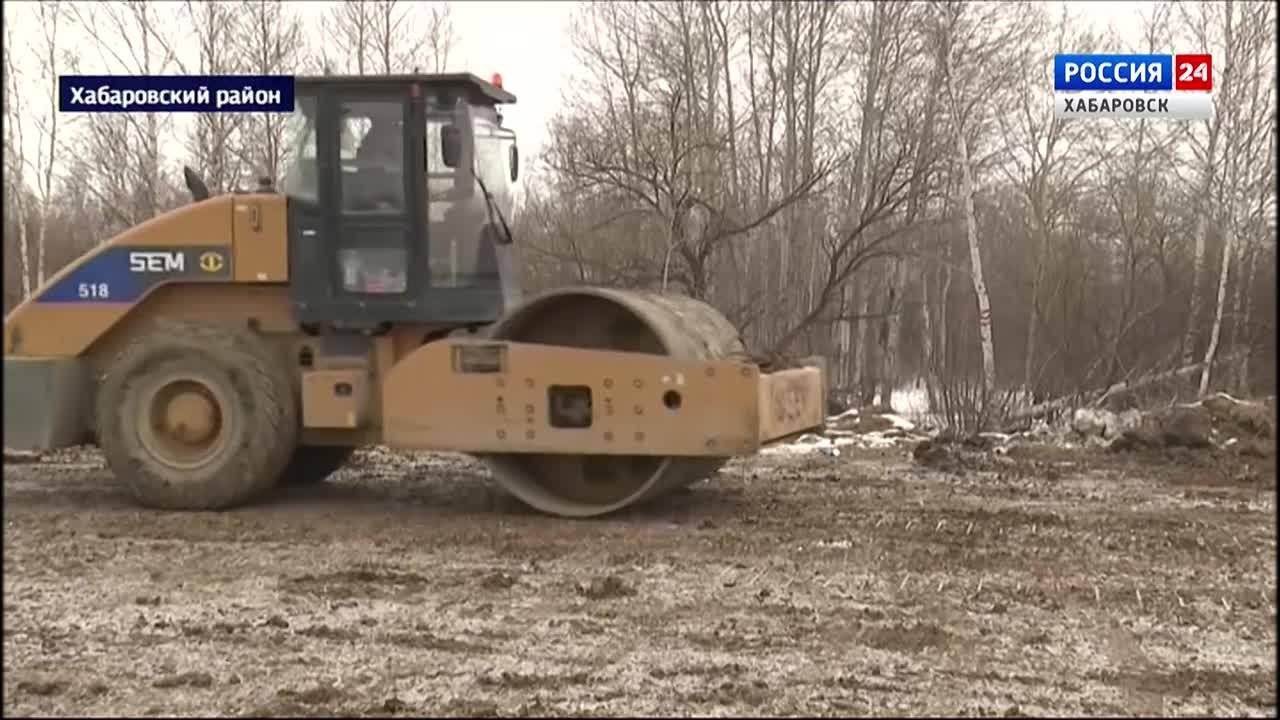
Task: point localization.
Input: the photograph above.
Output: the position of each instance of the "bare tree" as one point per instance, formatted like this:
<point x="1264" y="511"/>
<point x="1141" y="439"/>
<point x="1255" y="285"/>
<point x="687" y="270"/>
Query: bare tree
<point x="1134" y="189"/>
<point x="870" y="113"/>
<point x="1243" y="126"/>
<point x="814" y="169"/>
<point x="1207" y="155"/>
<point x="15" y="161"/>
<point x="441" y="37"/>
<point x="1049" y="161"/>
<point x="349" y="30"/>
<point x="271" y="42"/>
<point x="387" y="36"/>
<point x="653" y="145"/>
<point x="120" y="158"/>
<point x="973" y="36"/>
<point x="410" y="36"/>
<point x="1257" y="225"/>
<point x="214" y="142"/>
<point x="51" y="15"/>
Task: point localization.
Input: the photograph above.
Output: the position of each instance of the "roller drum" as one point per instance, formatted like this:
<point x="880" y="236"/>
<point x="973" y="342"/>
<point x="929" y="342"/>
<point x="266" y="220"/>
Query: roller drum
<point x="606" y="319"/>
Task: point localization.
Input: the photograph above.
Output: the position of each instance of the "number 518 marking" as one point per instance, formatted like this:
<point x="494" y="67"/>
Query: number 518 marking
<point x="94" y="291"/>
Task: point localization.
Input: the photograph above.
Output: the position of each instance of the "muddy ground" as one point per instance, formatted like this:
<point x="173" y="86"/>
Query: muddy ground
<point x="787" y="584"/>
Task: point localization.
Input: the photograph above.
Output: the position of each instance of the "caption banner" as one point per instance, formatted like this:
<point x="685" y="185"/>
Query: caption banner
<point x="175" y="93"/>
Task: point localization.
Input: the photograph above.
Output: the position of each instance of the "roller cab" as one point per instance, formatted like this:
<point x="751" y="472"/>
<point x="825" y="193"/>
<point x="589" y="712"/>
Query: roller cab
<point x="399" y="194"/>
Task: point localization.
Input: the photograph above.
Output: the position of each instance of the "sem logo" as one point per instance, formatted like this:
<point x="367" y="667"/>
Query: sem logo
<point x="156" y="262"/>
<point x="211" y="262"/>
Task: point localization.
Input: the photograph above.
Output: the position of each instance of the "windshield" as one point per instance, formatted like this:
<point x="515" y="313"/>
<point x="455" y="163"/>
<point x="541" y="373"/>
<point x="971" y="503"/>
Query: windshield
<point x="493" y="163"/>
<point x="465" y="229"/>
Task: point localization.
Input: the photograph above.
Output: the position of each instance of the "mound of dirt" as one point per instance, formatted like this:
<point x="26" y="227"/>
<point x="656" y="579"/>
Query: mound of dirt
<point x="1218" y="422"/>
<point x="1240" y="417"/>
<point x="1091" y="423"/>
<point x="1179" y="426"/>
<point x="957" y="455"/>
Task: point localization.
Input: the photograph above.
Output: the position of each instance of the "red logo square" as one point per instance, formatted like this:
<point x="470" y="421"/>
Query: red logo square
<point x="1193" y="72"/>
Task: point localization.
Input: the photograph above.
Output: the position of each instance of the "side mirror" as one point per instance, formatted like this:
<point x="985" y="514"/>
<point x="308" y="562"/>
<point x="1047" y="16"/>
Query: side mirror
<point x="450" y="145"/>
<point x="515" y="163"/>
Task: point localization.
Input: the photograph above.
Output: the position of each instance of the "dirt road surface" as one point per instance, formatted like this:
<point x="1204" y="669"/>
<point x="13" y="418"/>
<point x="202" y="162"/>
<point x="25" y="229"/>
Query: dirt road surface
<point x="862" y="584"/>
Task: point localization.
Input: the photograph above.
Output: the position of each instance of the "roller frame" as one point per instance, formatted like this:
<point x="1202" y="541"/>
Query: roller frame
<point x="724" y="407"/>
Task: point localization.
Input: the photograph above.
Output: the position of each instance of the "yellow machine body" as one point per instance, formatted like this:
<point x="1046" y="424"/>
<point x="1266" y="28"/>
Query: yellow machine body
<point x="469" y="395"/>
<point x="218" y="323"/>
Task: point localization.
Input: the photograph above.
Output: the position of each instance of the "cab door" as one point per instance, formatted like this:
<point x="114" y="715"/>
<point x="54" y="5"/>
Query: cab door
<point x="356" y="257"/>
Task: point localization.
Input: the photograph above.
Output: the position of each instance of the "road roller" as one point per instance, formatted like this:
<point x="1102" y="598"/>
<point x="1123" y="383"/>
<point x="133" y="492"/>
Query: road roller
<point x="256" y="338"/>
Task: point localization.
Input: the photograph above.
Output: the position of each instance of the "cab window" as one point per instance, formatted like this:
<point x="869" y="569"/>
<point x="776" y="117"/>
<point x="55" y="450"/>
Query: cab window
<point x="371" y="142"/>
<point x="301" y="179"/>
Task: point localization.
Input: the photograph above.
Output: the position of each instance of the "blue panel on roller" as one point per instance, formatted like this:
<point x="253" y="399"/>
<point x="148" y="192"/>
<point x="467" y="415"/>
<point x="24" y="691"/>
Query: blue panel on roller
<point x="125" y="274"/>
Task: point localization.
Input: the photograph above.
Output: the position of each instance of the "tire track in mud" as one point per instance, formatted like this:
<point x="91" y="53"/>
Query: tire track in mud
<point x="784" y="585"/>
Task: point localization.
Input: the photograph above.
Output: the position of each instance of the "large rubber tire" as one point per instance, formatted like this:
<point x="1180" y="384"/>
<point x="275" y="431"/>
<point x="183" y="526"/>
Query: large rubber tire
<point x="313" y="464"/>
<point x="253" y="408"/>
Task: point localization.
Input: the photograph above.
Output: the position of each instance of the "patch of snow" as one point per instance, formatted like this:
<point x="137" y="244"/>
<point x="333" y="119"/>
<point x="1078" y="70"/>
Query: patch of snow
<point x="851" y="413"/>
<point x="877" y="440"/>
<point x="808" y="444"/>
<point x="811" y="443"/>
<point x="911" y="401"/>
<point x="899" y="422"/>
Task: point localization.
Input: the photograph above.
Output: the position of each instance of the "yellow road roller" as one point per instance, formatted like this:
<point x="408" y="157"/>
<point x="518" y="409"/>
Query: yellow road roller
<point x="247" y="340"/>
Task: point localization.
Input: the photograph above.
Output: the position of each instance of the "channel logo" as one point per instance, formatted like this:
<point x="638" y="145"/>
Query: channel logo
<point x="1172" y="87"/>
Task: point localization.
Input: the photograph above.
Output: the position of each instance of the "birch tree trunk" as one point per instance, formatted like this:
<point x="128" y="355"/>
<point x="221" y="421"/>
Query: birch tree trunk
<point x="975" y="260"/>
<point x="1216" y="330"/>
<point x="1202" y="230"/>
<point x="971" y="232"/>
<point x="24" y="242"/>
